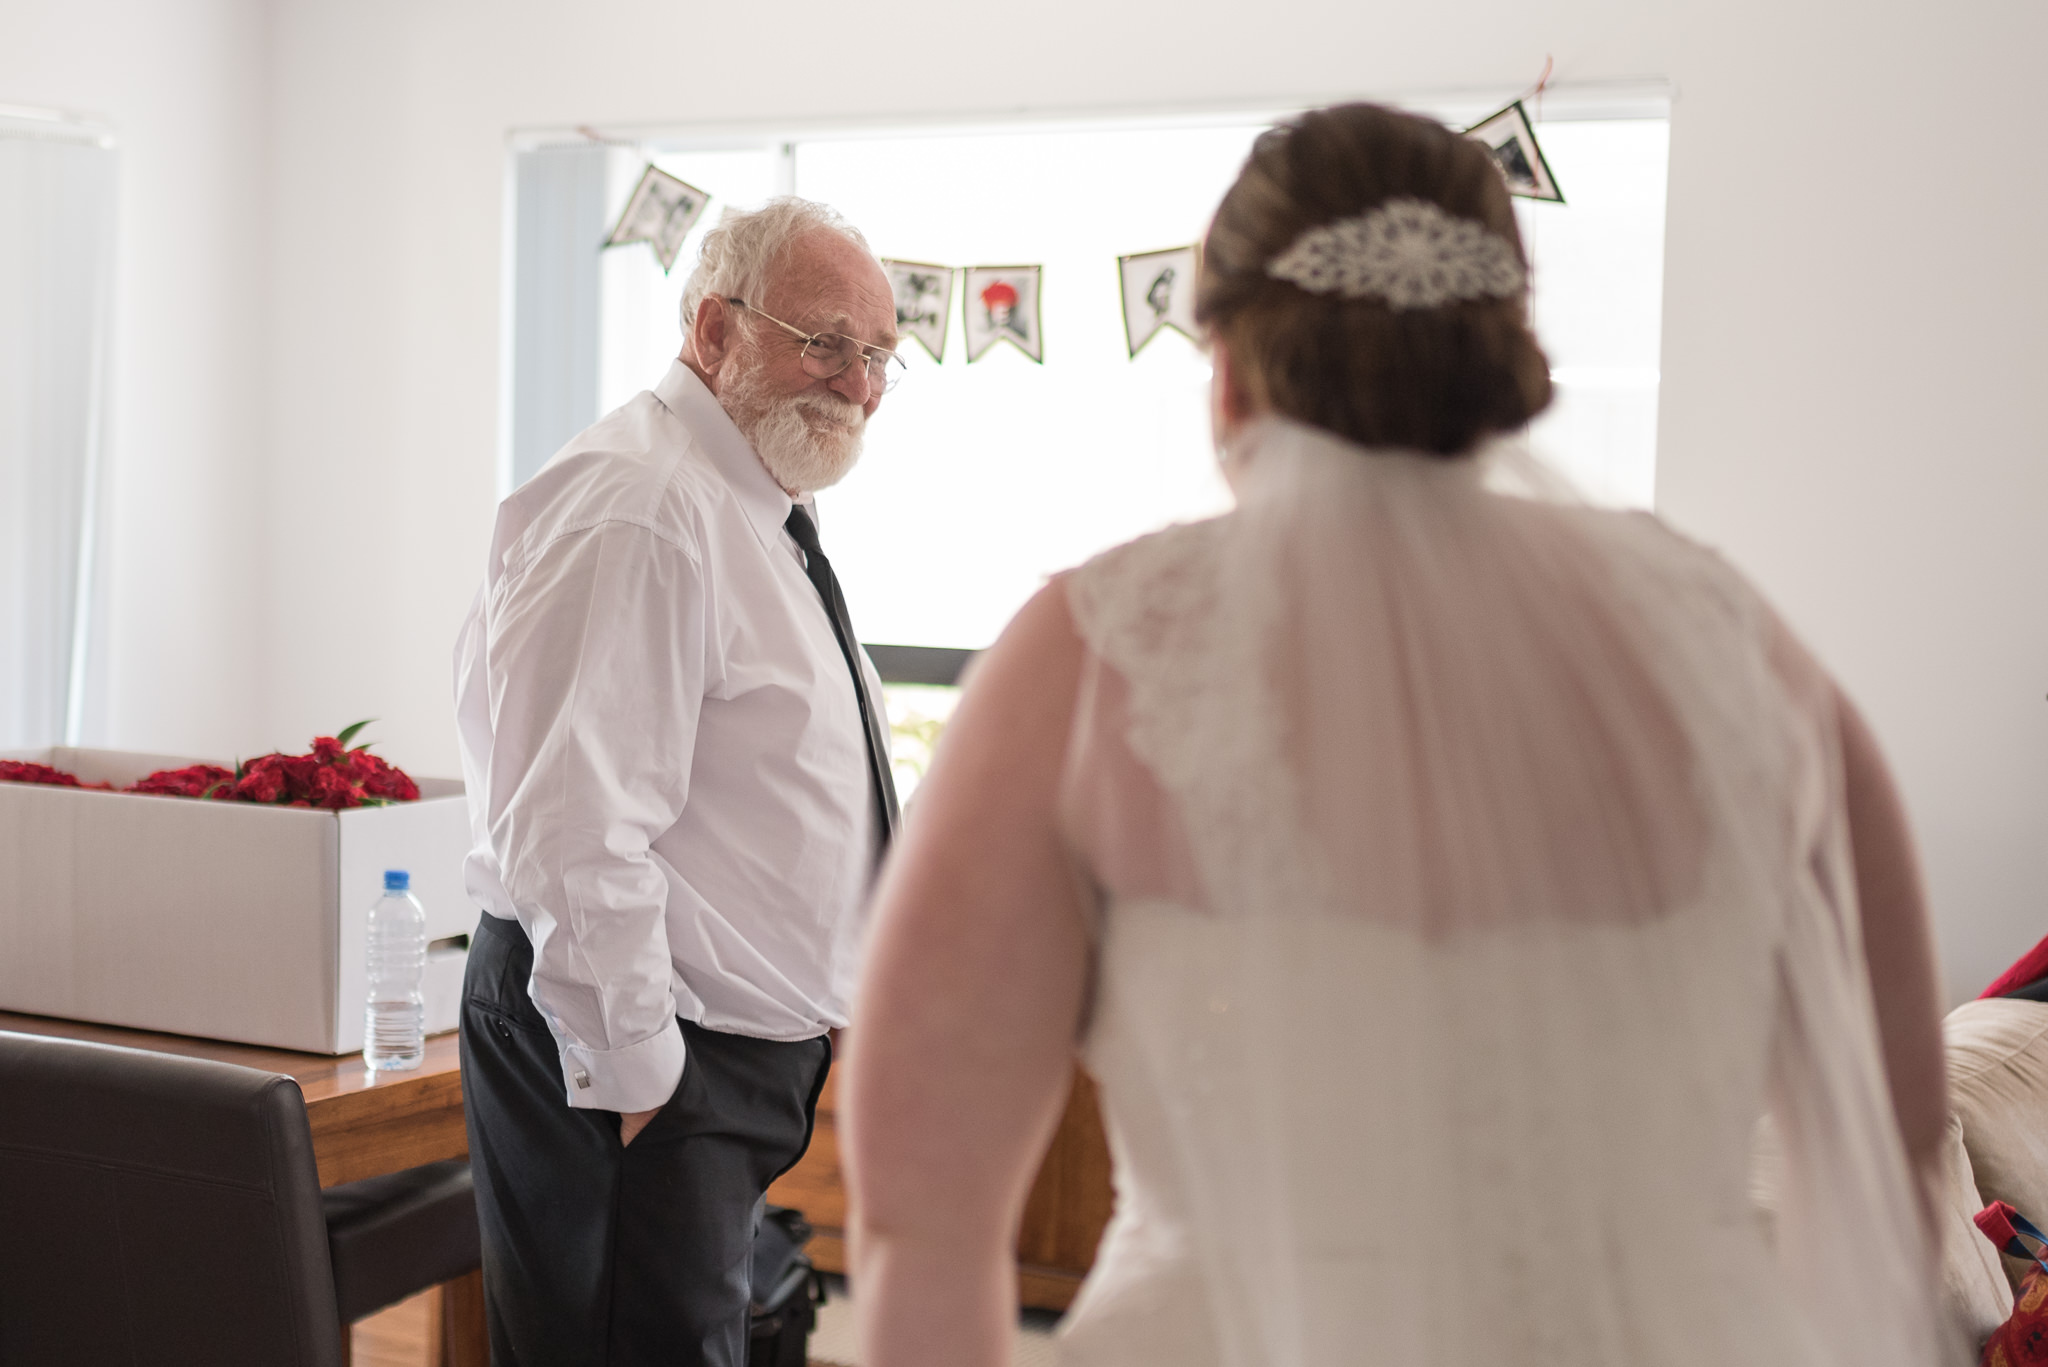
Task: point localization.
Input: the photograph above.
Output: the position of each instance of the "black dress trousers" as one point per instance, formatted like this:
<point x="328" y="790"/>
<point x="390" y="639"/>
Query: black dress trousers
<point x="618" y="1255"/>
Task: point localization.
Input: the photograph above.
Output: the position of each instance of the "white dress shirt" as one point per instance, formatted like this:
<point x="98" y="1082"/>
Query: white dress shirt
<point x="668" y="776"/>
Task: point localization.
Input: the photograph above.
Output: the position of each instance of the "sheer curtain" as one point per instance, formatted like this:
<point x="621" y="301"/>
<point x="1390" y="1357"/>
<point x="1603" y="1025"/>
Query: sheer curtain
<point x="56" y="267"/>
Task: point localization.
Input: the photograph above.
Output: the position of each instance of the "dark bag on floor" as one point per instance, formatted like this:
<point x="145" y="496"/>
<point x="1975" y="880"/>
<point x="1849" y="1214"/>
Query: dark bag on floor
<point x="787" y="1291"/>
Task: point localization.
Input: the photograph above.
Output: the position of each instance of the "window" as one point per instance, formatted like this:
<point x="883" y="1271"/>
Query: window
<point x="56" y="271"/>
<point x="1007" y="471"/>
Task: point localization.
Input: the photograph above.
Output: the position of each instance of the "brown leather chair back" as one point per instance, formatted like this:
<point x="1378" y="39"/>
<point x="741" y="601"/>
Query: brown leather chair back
<point x="157" y="1209"/>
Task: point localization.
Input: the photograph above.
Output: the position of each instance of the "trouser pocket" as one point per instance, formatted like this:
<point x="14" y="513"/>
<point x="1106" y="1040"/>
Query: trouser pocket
<point x="496" y="977"/>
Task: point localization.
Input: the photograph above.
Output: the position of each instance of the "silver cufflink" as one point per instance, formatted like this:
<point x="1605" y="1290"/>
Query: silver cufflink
<point x="583" y="1079"/>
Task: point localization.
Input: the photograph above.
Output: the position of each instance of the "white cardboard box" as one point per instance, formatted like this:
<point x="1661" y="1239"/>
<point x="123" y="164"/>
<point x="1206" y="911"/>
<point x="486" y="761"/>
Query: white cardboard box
<point x="226" y="920"/>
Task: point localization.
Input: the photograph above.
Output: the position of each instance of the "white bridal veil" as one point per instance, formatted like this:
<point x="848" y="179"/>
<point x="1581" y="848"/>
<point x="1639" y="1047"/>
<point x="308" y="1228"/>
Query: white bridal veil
<point x="1513" y="833"/>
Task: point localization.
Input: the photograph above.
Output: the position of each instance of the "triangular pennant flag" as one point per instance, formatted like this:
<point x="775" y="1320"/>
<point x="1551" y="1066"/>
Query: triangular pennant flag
<point x="1511" y="137"/>
<point x="924" y="302"/>
<point x="661" y="212"/>
<point x="1159" y="293"/>
<point x="1002" y="306"/>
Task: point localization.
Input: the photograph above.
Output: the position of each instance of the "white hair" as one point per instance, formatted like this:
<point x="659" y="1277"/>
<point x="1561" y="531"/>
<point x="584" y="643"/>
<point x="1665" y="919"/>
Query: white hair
<point x="738" y="255"/>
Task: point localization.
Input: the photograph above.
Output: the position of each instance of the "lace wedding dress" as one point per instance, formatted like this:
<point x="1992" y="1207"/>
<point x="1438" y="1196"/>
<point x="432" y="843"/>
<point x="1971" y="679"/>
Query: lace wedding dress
<point x="1475" y="876"/>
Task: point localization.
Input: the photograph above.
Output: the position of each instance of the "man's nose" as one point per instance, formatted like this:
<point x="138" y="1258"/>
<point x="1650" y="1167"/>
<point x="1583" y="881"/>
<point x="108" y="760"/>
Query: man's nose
<point x="855" y="384"/>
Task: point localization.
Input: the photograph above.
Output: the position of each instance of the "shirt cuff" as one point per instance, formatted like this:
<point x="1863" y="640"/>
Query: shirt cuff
<point x="639" y="1077"/>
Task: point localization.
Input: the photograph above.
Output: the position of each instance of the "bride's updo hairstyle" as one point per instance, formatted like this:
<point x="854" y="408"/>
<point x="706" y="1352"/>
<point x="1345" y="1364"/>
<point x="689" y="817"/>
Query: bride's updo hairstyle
<point x="1438" y="379"/>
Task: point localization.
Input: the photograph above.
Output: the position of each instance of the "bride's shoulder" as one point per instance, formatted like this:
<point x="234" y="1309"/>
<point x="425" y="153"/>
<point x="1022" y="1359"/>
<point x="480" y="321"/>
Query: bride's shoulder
<point x="1643" y="535"/>
<point x="1172" y="552"/>
<point x="1160" y="574"/>
<point x="1655" y="558"/>
<point x="1180" y="541"/>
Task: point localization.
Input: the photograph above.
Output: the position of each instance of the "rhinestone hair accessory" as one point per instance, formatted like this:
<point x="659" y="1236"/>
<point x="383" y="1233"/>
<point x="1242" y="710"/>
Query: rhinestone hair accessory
<point x="1408" y="252"/>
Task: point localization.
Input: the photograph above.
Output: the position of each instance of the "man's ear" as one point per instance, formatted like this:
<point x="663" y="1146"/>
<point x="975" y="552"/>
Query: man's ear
<point x="711" y="333"/>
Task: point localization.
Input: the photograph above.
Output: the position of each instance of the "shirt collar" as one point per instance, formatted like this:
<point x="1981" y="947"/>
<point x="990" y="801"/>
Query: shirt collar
<point x="763" y="501"/>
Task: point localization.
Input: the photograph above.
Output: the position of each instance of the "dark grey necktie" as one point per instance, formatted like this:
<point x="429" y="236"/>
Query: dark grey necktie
<point x="819" y="569"/>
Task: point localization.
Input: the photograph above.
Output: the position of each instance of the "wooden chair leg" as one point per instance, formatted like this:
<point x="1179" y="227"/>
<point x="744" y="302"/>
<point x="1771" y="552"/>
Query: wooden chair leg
<point x="462" y="1338"/>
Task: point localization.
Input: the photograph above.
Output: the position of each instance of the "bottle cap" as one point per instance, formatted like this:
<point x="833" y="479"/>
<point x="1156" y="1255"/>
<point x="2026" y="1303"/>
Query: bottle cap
<point x="397" y="880"/>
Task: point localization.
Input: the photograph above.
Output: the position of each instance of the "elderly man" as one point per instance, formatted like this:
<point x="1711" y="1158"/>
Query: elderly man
<point x="679" y="786"/>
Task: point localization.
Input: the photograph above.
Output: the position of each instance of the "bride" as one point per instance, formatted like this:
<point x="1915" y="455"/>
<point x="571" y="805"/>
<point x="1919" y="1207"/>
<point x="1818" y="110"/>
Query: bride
<point x="1439" y="879"/>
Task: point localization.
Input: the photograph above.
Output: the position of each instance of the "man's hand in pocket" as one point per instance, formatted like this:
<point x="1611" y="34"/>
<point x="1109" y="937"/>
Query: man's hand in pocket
<point x="632" y="1122"/>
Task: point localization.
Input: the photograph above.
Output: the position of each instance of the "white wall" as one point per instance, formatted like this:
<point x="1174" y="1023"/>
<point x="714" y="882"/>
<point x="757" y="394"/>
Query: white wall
<point x="1853" y="280"/>
<point x="1853" y="408"/>
<point x="186" y="88"/>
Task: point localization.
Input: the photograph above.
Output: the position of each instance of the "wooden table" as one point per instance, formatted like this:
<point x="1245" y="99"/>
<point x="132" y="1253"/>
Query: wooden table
<point x="364" y="1123"/>
<point x="1070" y="1203"/>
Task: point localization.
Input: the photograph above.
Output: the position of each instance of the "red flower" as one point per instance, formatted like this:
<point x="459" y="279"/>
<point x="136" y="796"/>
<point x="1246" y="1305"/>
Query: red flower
<point x="326" y="749"/>
<point x="331" y="789"/>
<point x="22" y="771"/>
<point x="194" y="780"/>
<point x="259" y="785"/>
<point x="380" y="779"/>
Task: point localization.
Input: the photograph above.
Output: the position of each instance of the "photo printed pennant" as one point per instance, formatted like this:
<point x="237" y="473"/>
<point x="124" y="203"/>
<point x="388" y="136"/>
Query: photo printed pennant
<point x="1511" y="137"/>
<point x="1159" y="293"/>
<point x="924" y="302"/>
<point x="1001" y="305"/>
<point x="661" y="212"/>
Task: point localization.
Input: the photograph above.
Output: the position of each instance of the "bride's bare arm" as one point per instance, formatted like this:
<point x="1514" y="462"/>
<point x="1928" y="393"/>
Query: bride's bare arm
<point x="963" y="1039"/>
<point x="1898" y="945"/>
<point x="1898" y="941"/>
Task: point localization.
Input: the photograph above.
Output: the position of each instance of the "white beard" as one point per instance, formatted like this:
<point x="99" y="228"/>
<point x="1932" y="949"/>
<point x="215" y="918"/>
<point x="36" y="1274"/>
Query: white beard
<point x="808" y="441"/>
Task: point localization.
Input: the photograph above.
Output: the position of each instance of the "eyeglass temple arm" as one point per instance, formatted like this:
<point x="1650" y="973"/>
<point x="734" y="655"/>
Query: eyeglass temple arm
<point x="867" y="348"/>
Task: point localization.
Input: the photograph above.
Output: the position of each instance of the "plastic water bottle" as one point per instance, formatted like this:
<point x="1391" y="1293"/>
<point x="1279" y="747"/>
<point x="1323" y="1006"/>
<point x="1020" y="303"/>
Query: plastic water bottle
<point x="393" y="1024"/>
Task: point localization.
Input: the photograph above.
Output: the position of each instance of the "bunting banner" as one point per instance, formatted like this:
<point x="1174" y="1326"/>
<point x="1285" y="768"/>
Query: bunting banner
<point x="1511" y="137"/>
<point x="1001" y="305"/>
<point x="1158" y="293"/>
<point x="924" y="302"/>
<point x="661" y="212"/>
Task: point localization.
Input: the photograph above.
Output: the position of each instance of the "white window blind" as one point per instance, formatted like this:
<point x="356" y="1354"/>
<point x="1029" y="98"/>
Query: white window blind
<point x="57" y="187"/>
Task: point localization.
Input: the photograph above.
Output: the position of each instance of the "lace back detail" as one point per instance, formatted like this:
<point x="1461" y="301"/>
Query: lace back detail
<point x="1161" y="612"/>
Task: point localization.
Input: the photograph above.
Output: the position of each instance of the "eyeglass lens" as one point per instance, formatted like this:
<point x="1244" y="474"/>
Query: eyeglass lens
<point x="829" y="353"/>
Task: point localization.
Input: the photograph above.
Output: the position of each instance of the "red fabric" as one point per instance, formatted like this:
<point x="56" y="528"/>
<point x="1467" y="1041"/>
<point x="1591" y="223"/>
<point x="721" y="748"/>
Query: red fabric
<point x="2022" y="1341"/>
<point x="2032" y="967"/>
<point x="1996" y="1222"/>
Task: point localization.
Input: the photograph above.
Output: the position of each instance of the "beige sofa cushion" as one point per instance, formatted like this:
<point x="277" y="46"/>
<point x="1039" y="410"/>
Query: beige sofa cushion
<point x="1998" y="1089"/>
<point x="1973" y="1286"/>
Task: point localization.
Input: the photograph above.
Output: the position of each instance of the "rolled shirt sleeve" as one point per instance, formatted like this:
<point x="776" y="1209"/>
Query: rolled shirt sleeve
<point x="596" y="669"/>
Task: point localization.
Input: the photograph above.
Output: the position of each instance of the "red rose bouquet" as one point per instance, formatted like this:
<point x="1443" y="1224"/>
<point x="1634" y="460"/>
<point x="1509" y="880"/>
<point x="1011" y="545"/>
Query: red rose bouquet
<point x="330" y="776"/>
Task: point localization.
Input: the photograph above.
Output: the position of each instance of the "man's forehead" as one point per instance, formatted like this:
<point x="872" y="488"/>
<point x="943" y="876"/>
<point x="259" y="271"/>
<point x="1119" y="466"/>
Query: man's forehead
<point x="824" y="299"/>
<point x="868" y="329"/>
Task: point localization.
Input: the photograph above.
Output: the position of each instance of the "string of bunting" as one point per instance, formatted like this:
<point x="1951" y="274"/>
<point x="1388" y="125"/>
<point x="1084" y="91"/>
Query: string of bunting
<point x="1158" y="291"/>
<point x="1003" y="303"/>
<point x="998" y="304"/>
<point x="1510" y="135"/>
<point x="660" y="212"/>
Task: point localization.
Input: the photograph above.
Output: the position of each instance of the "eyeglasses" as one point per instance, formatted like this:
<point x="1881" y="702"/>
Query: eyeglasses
<point x="828" y="354"/>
